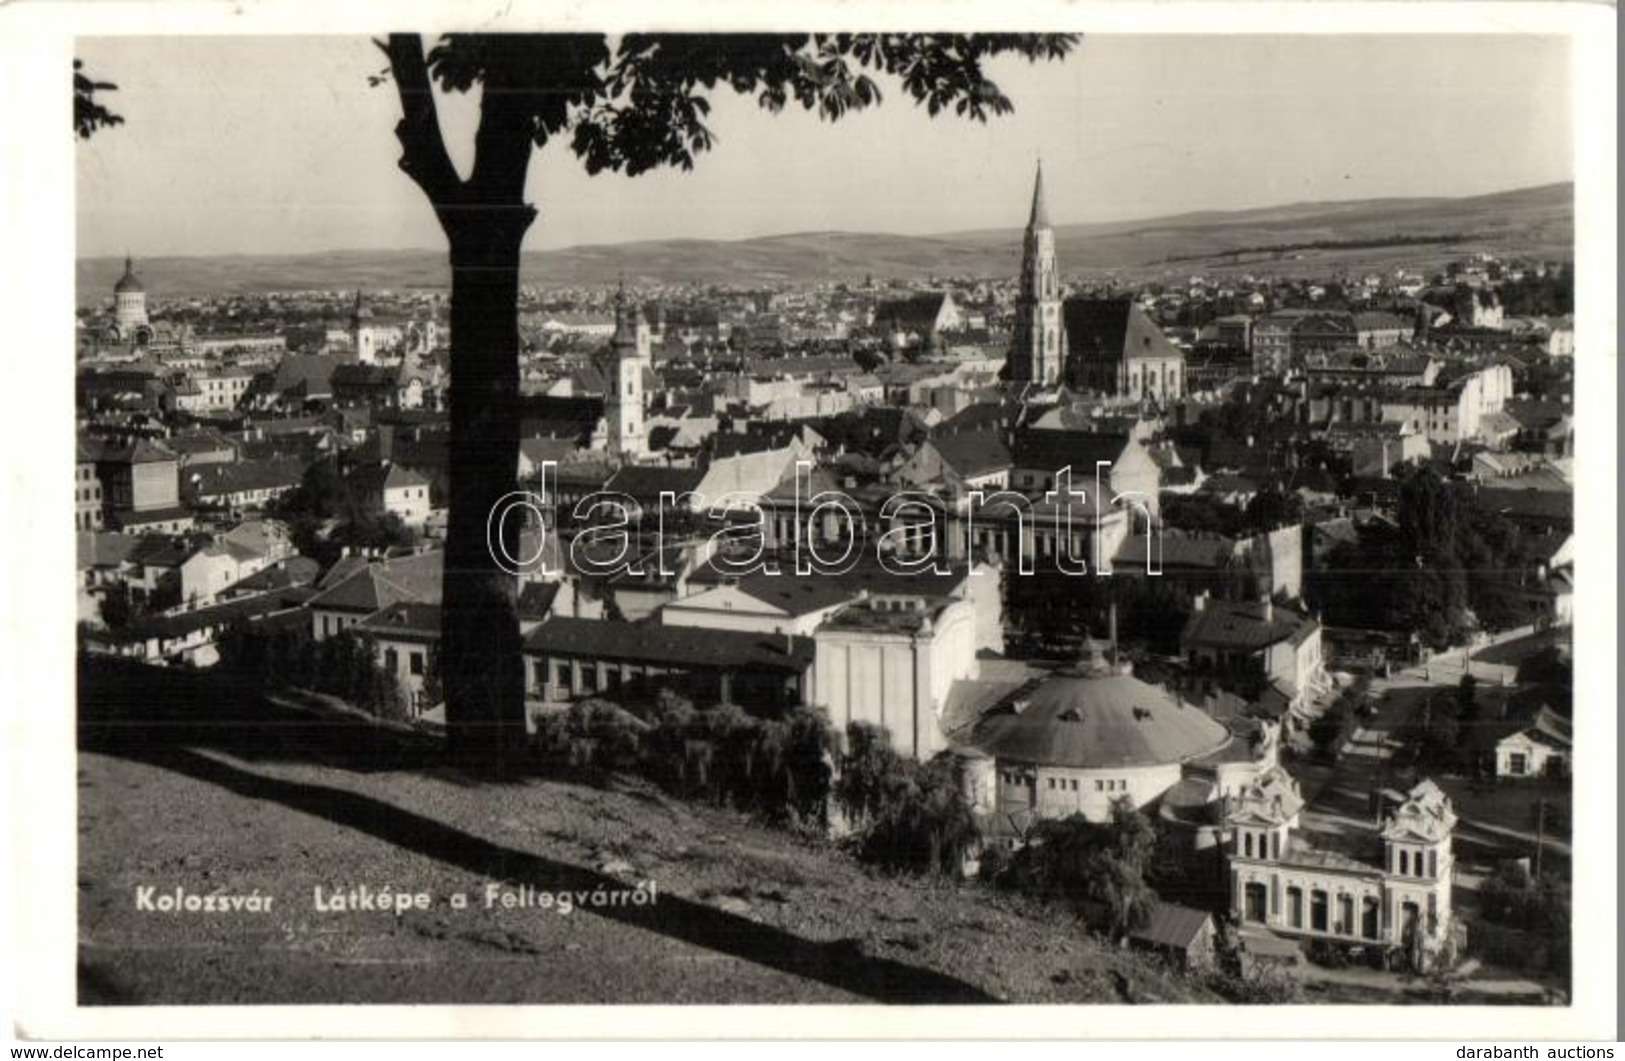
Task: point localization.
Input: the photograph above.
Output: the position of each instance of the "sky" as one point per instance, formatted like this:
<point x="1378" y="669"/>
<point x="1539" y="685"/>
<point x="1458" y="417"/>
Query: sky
<point x="271" y="145"/>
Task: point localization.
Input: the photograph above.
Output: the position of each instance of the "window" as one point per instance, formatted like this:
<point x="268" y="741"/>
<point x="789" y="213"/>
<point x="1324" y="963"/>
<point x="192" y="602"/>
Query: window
<point x="392" y="660"/>
<point x="1317" y="910"/>
<point x="1294" y="907"/>
<point x="1248" y="839"/>
<point x="1370" y="918"/>
<point x="1345" y="915"/>
<point x="1074" y="785"/>
<point x="415" y="662"/>
<point x="1100" y="786"/>
<point x="1404" y="863"/>
<point x="1517" y="764"/>
<point x="562" y="676"/>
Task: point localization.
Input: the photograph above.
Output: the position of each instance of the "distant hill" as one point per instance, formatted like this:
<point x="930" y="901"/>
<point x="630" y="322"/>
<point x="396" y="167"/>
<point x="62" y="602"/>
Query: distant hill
<point x="1526" y="222"/>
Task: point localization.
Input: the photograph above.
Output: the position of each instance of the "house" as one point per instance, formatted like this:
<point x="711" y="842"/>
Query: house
<point x="140" y="483"/>
<point x="1455" y="412"/>
<point x="1180" y="935"/>
<point x="297" y="379"/>
<point x="387" y="487"/>
<point x="959" y="462"/>
<point x="356" y="589"/>
<point x="1543" y="427"/>
<point x="1378" y="330"/>
<point x="1253" y="645"/>
<point x="191" y="636"/>
<point x="87" y="489"/>
<point x="1037" y="456"/>
<point x="405" y="636"/>
<point x="205" y="446"/>
<point x="213" y="568"/>
<point x="1532" y="743"/>
<point x="242" y="484"/>
<point x="1375" y="448"/>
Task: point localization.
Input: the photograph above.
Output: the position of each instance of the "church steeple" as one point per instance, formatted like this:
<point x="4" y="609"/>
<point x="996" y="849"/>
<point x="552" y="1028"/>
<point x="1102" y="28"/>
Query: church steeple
<point x="1039" y="218"/>
<point x="1039" y="345"/>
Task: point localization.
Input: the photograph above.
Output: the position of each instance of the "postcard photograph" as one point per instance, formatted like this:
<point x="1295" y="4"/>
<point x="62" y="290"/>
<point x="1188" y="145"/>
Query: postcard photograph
<point x="719" y="517"/>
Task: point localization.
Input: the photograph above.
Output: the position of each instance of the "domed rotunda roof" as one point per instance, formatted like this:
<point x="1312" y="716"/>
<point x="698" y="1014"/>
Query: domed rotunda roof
<point x="1098" y="715"/>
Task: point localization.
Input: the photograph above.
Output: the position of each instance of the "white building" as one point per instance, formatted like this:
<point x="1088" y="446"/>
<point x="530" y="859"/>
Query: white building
<point x="1390" y="888"/>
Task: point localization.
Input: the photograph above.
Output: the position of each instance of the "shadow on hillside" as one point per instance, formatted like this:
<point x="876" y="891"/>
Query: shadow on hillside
<point x="167" y="733"/>
<point x="124" y="705"/>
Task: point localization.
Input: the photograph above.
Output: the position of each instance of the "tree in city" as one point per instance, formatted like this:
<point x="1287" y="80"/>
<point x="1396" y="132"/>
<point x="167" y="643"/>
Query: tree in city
<point x="1272" y="508"/>
<point x="1466" y="708"/>
<point x="632" y="105"/>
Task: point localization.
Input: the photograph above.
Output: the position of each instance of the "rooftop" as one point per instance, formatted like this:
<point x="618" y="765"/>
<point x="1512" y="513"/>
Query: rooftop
<point x="1098" y="717"/>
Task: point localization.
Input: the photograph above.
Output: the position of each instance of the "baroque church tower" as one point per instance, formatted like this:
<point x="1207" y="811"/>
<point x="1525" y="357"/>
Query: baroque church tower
<point x="363" y="340"/>
<point x="630" y="357"/>
<point x="1039" y="346"/>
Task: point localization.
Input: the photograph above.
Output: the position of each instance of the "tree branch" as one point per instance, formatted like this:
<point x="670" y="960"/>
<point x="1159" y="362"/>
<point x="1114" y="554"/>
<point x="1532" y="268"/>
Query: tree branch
<point x="423" y="149"/>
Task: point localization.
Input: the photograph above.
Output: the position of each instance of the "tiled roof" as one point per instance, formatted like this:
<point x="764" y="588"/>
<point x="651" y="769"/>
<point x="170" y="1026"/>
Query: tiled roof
<point x="405" y="618"/>
<point x="1172" y="925"/>
<point x="656" y="643"/>
<point x="213" y="480"/>
<point x="1243" y="626"/>
<point x="1050" y="451"/>
<point x="378" y="585"/>
<point x="972" y="453"/>
<point x="170" y="627"/>
<point x="649" y="481"/>
<point x="536" y="599"/>
<point x="1112" y="330"/>
<point x="1177" y="551"/>
<point x="104" y="548"/>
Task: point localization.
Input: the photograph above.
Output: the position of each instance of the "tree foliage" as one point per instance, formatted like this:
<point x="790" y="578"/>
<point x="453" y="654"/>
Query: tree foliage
<point x="909" y="815"/>
<point x="1444" y="570"/>
<point x="344" y="665"/>
<point x="1101" y="869"/>
<point x="778" y="768"/>
<point x="89" y="114"/>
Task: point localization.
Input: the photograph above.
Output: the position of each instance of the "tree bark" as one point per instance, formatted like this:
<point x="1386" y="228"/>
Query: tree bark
<point x="485" y="219"/>
<point x="482" y="673"/>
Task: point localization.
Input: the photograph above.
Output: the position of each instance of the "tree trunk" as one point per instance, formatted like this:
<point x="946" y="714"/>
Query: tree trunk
<point x="482" y="673"/>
